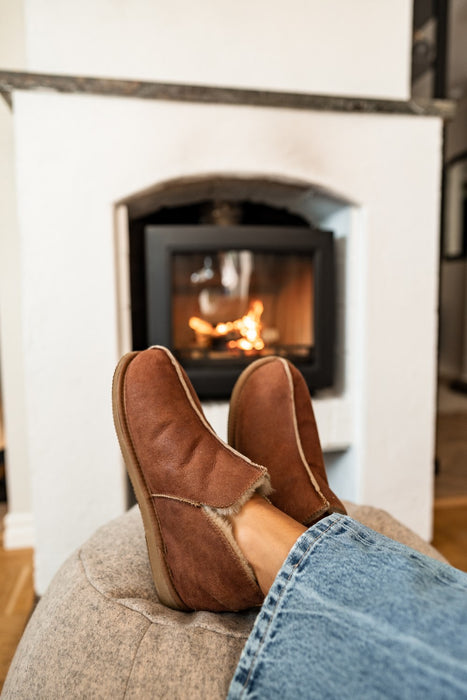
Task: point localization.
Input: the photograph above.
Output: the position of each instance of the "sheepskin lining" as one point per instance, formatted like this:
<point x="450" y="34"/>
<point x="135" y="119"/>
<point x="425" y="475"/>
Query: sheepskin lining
<point x="223" y="524"/>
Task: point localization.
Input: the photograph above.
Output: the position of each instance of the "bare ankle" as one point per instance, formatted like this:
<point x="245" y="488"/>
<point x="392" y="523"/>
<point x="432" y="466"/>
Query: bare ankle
<point x="265" y="535"/>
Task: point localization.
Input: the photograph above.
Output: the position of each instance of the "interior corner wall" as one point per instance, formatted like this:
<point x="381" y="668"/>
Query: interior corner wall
<point x="456" y="131"/>
<point x="463" y="376"/>
<point x="12" y="35"/>
<point x="453" y="292"/>
<point x="360" y="48"/>
<point x="19" y="525"/>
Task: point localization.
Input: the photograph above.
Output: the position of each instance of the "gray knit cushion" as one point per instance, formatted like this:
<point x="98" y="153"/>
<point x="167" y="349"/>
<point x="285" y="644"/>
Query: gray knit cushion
<point x="100" y="632"/>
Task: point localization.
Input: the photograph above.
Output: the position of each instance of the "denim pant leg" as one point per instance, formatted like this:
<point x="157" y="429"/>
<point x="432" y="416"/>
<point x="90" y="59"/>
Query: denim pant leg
<point x="353" y="614"/>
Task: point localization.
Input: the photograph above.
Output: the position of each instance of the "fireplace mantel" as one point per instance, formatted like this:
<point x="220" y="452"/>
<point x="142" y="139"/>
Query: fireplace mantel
<point x="208" y="94"/>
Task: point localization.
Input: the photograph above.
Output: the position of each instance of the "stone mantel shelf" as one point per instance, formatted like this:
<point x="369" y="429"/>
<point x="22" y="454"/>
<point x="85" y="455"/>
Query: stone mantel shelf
<point x="13" y="80"/>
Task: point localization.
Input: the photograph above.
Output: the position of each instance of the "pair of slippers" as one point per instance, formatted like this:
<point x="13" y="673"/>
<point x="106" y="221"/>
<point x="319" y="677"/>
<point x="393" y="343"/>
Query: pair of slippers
<point x="188" y="482"/>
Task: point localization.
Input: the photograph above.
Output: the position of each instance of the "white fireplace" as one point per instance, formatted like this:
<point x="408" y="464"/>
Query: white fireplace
<point x="83" y="163"/>
<point x="373" y="178"/>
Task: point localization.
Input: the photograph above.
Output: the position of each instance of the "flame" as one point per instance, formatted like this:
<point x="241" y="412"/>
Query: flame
<point x="248" y="327"/>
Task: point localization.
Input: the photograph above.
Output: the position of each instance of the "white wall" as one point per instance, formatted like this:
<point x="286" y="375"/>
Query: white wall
<point x="360" y="47"/>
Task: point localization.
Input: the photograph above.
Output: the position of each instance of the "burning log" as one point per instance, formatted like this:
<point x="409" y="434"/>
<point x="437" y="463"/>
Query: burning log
<point x="247" y="329"/>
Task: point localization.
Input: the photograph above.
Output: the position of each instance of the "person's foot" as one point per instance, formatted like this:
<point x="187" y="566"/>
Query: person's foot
<point x="271" y="421"/>
<point x="265" y="535"/>
<point x="188" y="484"/>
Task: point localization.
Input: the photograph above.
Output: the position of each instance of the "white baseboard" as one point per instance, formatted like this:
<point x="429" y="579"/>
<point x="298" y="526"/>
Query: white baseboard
<point x="18" y="531"/>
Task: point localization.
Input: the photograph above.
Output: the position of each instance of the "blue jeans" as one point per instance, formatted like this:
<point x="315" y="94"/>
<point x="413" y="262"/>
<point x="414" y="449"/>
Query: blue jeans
<point x="353" y="614"/>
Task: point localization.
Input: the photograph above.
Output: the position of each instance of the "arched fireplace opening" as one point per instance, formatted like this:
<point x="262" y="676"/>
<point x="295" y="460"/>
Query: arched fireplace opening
<point x="228" y="270"/>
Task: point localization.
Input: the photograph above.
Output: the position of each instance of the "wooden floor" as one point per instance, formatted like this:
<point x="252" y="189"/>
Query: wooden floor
<point x="450" y="512"/>
<point x="450" y="530"/>
<point x="16" y="601"/>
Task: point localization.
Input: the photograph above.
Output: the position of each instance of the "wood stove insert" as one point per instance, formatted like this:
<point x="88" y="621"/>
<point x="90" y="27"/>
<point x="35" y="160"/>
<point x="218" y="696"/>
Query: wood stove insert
<point x="222" y="296"/>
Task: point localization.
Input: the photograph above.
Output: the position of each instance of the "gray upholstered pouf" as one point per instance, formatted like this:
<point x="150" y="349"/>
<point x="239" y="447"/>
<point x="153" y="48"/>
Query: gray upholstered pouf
<point x="100" y="632"/>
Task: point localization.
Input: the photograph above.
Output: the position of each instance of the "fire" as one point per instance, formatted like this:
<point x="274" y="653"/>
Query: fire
<point x="248" y="327"/>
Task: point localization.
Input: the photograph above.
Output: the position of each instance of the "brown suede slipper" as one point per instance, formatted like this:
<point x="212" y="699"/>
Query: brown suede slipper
<point x="271" y="421"/>
<point x="187" y="482"/>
